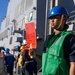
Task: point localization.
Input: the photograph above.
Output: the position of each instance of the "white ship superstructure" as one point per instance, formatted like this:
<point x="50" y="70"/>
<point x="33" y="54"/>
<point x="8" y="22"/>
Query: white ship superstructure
<point x="18" y="13"/>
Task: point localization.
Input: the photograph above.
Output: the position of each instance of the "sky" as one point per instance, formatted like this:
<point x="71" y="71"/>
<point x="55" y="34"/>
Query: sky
<point x="3" y="9"/>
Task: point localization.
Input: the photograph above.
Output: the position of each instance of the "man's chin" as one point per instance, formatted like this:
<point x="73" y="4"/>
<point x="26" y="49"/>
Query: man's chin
<point x="52" y="27"/>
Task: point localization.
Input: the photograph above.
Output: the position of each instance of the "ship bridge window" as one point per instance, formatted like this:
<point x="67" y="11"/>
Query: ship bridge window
<point x="11" y="30"/>
<point x="30" y="16"/>
<point x="10" y="40"/>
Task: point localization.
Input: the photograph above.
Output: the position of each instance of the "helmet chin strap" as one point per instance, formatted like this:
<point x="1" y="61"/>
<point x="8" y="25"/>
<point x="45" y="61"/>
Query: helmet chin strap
<point x="60" y="22"/>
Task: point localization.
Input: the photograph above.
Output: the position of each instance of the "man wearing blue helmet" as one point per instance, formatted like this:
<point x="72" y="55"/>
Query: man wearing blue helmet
<point x="58" y="56"/>
<point x="9" y="61"/>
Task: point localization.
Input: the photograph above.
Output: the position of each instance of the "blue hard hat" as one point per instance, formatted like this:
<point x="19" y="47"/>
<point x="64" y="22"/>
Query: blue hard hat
<point x="7" y="50"/>
<point x="58" y="10"/>
<point x="17" y="47"/>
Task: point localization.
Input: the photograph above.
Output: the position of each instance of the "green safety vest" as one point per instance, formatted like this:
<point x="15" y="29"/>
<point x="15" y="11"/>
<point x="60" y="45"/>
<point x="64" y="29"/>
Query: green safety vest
<point x="53" y="62"/>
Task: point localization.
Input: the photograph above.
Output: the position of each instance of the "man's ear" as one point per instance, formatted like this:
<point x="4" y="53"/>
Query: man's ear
<point x="64" y="19"/>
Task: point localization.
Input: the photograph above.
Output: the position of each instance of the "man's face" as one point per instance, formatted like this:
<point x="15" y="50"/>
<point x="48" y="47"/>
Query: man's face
<point x="55" y="21"/>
